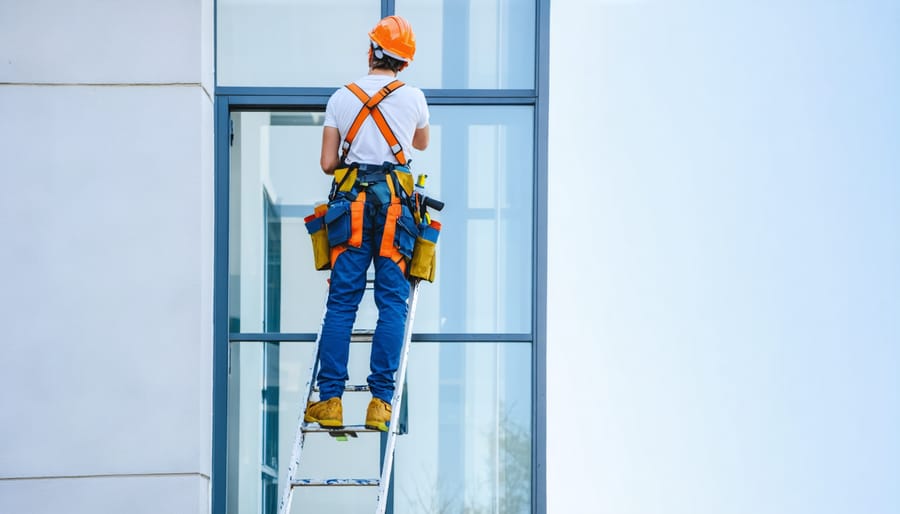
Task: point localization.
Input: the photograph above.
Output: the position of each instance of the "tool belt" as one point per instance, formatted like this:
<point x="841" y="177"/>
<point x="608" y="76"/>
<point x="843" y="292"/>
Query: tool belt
<point x="388" y="188"/>
<point x="382" y="180"/>
<point x="409" y="237"/>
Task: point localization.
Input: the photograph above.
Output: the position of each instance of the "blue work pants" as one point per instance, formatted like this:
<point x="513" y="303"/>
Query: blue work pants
<point x="348" y="283"/>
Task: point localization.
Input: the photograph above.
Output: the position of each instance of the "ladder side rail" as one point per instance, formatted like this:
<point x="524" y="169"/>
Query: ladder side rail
<point x="287" y="491"/>
<point x="394" y="426"/>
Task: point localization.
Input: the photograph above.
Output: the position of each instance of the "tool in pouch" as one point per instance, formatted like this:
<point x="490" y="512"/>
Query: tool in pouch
<point x="424" y="258"/>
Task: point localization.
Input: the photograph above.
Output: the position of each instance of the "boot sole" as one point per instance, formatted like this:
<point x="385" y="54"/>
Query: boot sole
<point x="326" y="423"/>
<point x="377" y="426"/>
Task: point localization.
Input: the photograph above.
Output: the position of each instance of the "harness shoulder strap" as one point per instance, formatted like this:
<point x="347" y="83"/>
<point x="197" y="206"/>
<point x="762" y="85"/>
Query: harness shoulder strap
<point x="370" y="107"/>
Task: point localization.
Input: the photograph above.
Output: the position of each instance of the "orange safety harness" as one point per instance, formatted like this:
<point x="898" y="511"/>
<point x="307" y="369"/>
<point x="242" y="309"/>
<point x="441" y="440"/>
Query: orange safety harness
<point x="395" y="209"/>
<point x="370" y="108"/>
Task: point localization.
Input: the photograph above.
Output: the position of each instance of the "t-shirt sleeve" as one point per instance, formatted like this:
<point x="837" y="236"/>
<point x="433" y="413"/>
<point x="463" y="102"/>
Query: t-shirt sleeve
<point x="330" y="120"/>
<point x="424" y="114"/>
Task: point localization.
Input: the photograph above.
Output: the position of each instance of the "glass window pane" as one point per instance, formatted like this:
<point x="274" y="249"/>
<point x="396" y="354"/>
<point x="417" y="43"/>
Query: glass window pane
<point x="275" y="183"/>
<point x="293" y="42"/>
<point x="469" y="443"/>
<point x="488" y="44"/>
<point x="468" y="446"/>
<point x="480" y="163"/>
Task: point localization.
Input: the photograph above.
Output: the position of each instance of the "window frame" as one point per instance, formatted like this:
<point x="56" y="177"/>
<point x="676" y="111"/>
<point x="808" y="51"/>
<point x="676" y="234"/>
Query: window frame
<point x="233" y="98"/>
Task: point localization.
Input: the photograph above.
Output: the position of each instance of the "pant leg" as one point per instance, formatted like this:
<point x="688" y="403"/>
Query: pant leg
<point x="348" y="283"/>
<point x="391" y="293"/>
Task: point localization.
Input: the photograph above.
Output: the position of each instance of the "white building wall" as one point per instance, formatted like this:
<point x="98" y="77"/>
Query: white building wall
<point x="106" y="223"/>
<point x="723" y="303"/>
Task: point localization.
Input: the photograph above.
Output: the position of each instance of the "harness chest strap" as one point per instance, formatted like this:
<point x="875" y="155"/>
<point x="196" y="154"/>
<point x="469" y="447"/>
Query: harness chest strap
<point x="370" y="108"/>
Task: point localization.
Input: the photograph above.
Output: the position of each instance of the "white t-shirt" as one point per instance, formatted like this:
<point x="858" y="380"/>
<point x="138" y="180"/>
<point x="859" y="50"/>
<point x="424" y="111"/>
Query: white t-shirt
<point x="405" y="110"/>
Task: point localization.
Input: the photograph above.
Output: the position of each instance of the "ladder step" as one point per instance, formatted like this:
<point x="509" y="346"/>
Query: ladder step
<point x="350" y="388"/>
<point x="347" y="482"/>
<point x="362" y="335"/>
<point x="346" y="429"/>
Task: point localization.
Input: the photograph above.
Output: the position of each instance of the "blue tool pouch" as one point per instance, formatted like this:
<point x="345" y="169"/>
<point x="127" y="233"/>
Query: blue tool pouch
<point x="405" y="235"/>
<point x="337" y="220"/>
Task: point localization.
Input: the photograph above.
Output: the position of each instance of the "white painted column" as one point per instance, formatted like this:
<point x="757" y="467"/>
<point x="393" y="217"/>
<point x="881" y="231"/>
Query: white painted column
<point x="106" y="229"/>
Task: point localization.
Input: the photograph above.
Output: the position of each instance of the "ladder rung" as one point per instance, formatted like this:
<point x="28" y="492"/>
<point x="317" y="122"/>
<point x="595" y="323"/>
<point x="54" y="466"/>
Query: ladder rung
<point x="345" y="429"/>
<point x="350" y="388"/>
<point x="362" y="336"/>
<point x="313" y="482"/>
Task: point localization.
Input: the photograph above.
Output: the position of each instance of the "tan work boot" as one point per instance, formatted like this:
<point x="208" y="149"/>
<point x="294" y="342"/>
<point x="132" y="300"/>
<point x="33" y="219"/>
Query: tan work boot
<point x="378" y="415"/>
<point x="329" y="413"/>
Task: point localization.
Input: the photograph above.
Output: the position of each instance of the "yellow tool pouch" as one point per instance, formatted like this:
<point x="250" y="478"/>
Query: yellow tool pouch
<point x="424" y="259"/>
<point x="344" y="180"/>
<point x="405" y="179"/>
<point x="315" y="225"/>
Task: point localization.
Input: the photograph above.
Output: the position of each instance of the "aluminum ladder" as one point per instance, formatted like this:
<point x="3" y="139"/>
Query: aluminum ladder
<point x="383" y="482"/>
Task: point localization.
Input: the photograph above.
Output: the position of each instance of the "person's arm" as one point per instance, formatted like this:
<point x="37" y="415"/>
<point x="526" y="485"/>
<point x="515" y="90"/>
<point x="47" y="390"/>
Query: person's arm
<point x="421" y="138"/>
<point x="329" y="160"/>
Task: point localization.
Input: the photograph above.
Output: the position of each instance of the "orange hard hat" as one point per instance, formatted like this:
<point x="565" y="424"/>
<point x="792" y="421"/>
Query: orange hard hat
<point x="394" y="36"/>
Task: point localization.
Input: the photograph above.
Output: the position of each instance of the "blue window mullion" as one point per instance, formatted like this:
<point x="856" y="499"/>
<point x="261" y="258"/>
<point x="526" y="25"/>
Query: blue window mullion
<point x="219" y="477"/>
<point x="539" y="315"/>
<point x="318" y="96"/>
<point x="309" y="337"/>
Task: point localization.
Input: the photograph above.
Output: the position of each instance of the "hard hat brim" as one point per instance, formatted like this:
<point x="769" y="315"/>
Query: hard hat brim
<point x="389" y="54"/>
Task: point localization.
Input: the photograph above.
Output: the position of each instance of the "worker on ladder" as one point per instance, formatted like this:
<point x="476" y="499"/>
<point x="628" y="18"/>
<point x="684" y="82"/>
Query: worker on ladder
<point x="370" y="127"/>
